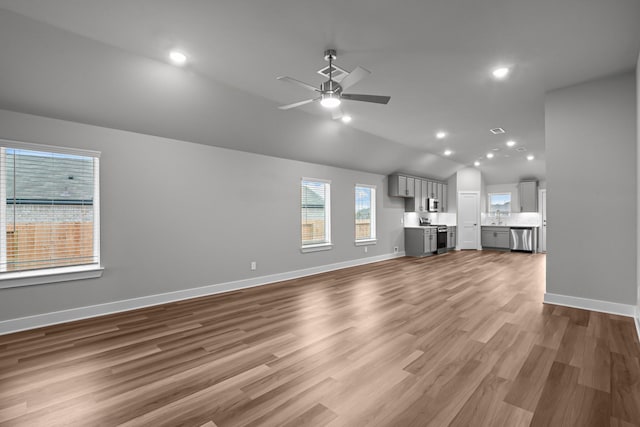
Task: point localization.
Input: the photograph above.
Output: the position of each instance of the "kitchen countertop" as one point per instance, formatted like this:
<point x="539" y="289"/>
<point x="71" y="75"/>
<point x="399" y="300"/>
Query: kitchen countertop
<point x="511" y="225"/>
<point x="426" y="226"/>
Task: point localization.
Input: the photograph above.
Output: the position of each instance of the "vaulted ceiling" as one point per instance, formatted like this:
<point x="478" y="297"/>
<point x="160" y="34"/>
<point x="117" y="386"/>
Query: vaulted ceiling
<point x="105" y="63"/>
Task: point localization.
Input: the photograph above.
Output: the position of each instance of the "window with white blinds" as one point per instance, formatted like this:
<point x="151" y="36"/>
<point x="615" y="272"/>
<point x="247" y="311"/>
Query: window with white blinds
<point x="315" y="204"/>
<point x="49" y="210"/>
<point x="365" y="213"/>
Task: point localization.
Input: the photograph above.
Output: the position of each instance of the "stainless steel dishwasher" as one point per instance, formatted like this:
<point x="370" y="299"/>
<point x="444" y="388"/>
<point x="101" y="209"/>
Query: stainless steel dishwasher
<point x="522" y="239"/>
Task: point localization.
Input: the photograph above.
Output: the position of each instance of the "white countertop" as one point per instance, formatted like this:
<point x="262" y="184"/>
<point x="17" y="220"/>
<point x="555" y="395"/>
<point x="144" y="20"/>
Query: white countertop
<point x="511" y="225"/>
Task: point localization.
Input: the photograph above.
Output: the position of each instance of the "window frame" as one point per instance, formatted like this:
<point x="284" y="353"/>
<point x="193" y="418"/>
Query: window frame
<point x="14" y="279"/>
<point x="373" y="236"/>
<point x="327" y="244"/>
<point x="507" y="213"/>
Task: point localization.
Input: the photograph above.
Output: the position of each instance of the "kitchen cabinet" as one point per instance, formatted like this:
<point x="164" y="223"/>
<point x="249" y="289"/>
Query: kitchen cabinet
<point x="420" y="241"/>
<point x="425" y="193"/>
<point x="444" y="201"/>
<point x="495" y="237"/>
<point x="439" y="194"/>
<point x="451" y="237"/>
<point x="416" y="203"/>
<point x="401" y="186"/>
<point x="528" y="193"/>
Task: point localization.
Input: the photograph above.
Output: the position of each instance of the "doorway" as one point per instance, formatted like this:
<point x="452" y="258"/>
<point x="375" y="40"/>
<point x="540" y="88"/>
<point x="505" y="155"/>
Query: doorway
<point x="468" y="220"/>
<point x="543" y="219"/>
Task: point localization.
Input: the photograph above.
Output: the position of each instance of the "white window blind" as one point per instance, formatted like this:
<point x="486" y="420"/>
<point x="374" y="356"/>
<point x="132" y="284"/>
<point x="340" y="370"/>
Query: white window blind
<point x="49" y="210"/>
<point x="315" y="203"/>
<point x="365" y="212"/>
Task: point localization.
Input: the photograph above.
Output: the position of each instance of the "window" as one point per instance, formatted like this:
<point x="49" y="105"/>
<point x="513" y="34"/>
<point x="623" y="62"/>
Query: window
<point x="315" y="203"/>
<point x="499" y="203"/>
<point x="49" y="213"/>
<point x="365" y="214"/>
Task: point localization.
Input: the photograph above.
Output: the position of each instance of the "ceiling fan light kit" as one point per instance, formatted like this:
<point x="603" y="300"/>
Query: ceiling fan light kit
<point x="331" y="92"/>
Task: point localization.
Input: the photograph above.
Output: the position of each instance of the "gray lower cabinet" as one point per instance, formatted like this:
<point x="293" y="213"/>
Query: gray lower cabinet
<point x="420" y="241"/>
<point x="451" y="237"/>
<point x="495" y="237"/>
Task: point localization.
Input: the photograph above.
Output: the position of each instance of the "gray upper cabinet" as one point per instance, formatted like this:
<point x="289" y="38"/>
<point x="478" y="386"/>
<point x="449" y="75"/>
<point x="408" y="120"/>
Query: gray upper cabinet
<point x="401" y="186"/>
<point x="444" y="201"/>
<point x="431" y="190"/>
<point x="528" y="192"/>
<point x="417" y="191"/>
<point x="416" y="203"/>
<point x="425" y="193"/>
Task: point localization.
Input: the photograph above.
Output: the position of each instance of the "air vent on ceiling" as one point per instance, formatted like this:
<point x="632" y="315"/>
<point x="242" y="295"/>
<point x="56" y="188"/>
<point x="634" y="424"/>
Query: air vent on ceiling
<point x="337" y="73"/>
<point x="496" y="131"/>
<point x="521" y="149"/>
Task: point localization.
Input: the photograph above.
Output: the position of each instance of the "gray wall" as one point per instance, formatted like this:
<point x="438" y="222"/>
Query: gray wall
<point x="177" y="215"/>
<point x="591" y="176"/>
<point x="638" y="179"/>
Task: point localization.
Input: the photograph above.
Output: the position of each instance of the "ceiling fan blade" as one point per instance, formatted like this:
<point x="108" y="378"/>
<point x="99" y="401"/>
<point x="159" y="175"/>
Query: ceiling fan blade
<point x="298" y="82"/>
<point x="297" y="104"/>
<point x="354" y="77"/>
<point x="378" y="99"/>
<point x="337" y="113"/>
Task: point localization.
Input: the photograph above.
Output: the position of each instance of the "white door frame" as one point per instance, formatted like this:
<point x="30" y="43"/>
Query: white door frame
<point x="458" y="234"/>
<point x="542" y="241"/>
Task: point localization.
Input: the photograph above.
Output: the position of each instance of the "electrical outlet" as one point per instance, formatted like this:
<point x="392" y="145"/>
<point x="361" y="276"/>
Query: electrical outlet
<point x="395" y="249"/>
<point x="254" y="265"/>
<point x="366" y="249"/>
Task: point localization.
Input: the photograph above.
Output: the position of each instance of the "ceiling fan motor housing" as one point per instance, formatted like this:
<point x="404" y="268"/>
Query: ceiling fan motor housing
<point x="331" y="87"/>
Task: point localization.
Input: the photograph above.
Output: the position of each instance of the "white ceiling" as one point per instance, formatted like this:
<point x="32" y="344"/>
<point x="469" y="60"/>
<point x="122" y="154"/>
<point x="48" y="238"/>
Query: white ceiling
<point x="433" y="58"/>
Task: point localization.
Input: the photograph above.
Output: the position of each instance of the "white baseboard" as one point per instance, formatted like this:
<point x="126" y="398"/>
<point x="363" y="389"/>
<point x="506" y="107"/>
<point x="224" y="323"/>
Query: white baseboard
<point x="56" y="317"/>
<point x="591" y="304"/>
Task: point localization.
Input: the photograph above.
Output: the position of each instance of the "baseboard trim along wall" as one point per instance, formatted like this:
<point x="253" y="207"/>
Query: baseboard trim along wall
<point x="596" y="305"/>
<point x="57" y="317"/>
<point x="591" y="304"/>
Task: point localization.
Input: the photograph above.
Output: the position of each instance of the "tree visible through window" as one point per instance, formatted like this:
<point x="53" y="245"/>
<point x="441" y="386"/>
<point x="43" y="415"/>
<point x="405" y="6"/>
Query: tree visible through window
<point x="48" y="215"/>
<point x="365" y="212"/>
<point x="316" y="212"/>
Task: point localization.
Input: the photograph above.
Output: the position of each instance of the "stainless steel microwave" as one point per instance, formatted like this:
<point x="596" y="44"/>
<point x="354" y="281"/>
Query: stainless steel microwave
<point x="433" y="205"/>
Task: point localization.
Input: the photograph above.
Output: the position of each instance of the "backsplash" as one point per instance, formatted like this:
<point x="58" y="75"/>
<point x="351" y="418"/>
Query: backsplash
<point x="412" y="219"/>
<point x="515" y="218"/>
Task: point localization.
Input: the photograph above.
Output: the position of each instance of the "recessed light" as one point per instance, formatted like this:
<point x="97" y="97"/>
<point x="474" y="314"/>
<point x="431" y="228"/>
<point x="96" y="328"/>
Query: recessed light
<point x="346" y="118"/>
<point x="500" y="73"/>
<point x="177" y="57"/>
<point x="476" y="163"/>
<point x="441" y="135"/>
<point x="489" y="155"/>
<point x="447" y="152"/>
<point x="511" y="143"/>
<point x="496" y="131"/>
<point x="530" y="157"/>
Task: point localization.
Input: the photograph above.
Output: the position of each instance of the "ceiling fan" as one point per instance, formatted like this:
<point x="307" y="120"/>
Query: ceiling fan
<point x="331" y="92"/>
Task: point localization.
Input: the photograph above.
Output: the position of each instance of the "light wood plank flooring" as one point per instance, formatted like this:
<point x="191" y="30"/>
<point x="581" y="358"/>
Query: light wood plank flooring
<point x="460" y="339"/>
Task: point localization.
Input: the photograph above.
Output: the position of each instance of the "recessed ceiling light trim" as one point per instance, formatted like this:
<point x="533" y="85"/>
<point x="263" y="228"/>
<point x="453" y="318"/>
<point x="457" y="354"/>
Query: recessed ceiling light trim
<point x="177" y="57"/>
<point x="511" y="143"/>
<point x="448" y="152"/>
<point x="441" y="134"/>
<point x="501" y="72"/>
<point x="489" y="155"/>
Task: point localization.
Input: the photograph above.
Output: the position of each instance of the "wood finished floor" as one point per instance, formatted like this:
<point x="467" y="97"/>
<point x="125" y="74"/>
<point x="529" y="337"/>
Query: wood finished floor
<point x="461" y="339"/>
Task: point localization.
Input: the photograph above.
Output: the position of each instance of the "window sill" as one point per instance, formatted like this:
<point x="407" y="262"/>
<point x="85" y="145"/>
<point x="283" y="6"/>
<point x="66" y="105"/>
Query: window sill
<point x="316" y="248"/>
<point x="49" y="275"/>
<point x="366" y="242"/>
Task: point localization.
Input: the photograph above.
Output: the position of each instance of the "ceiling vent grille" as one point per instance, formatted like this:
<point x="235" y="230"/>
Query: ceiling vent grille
<point x="337" y="73"/>
<point x="496" y="131"/>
